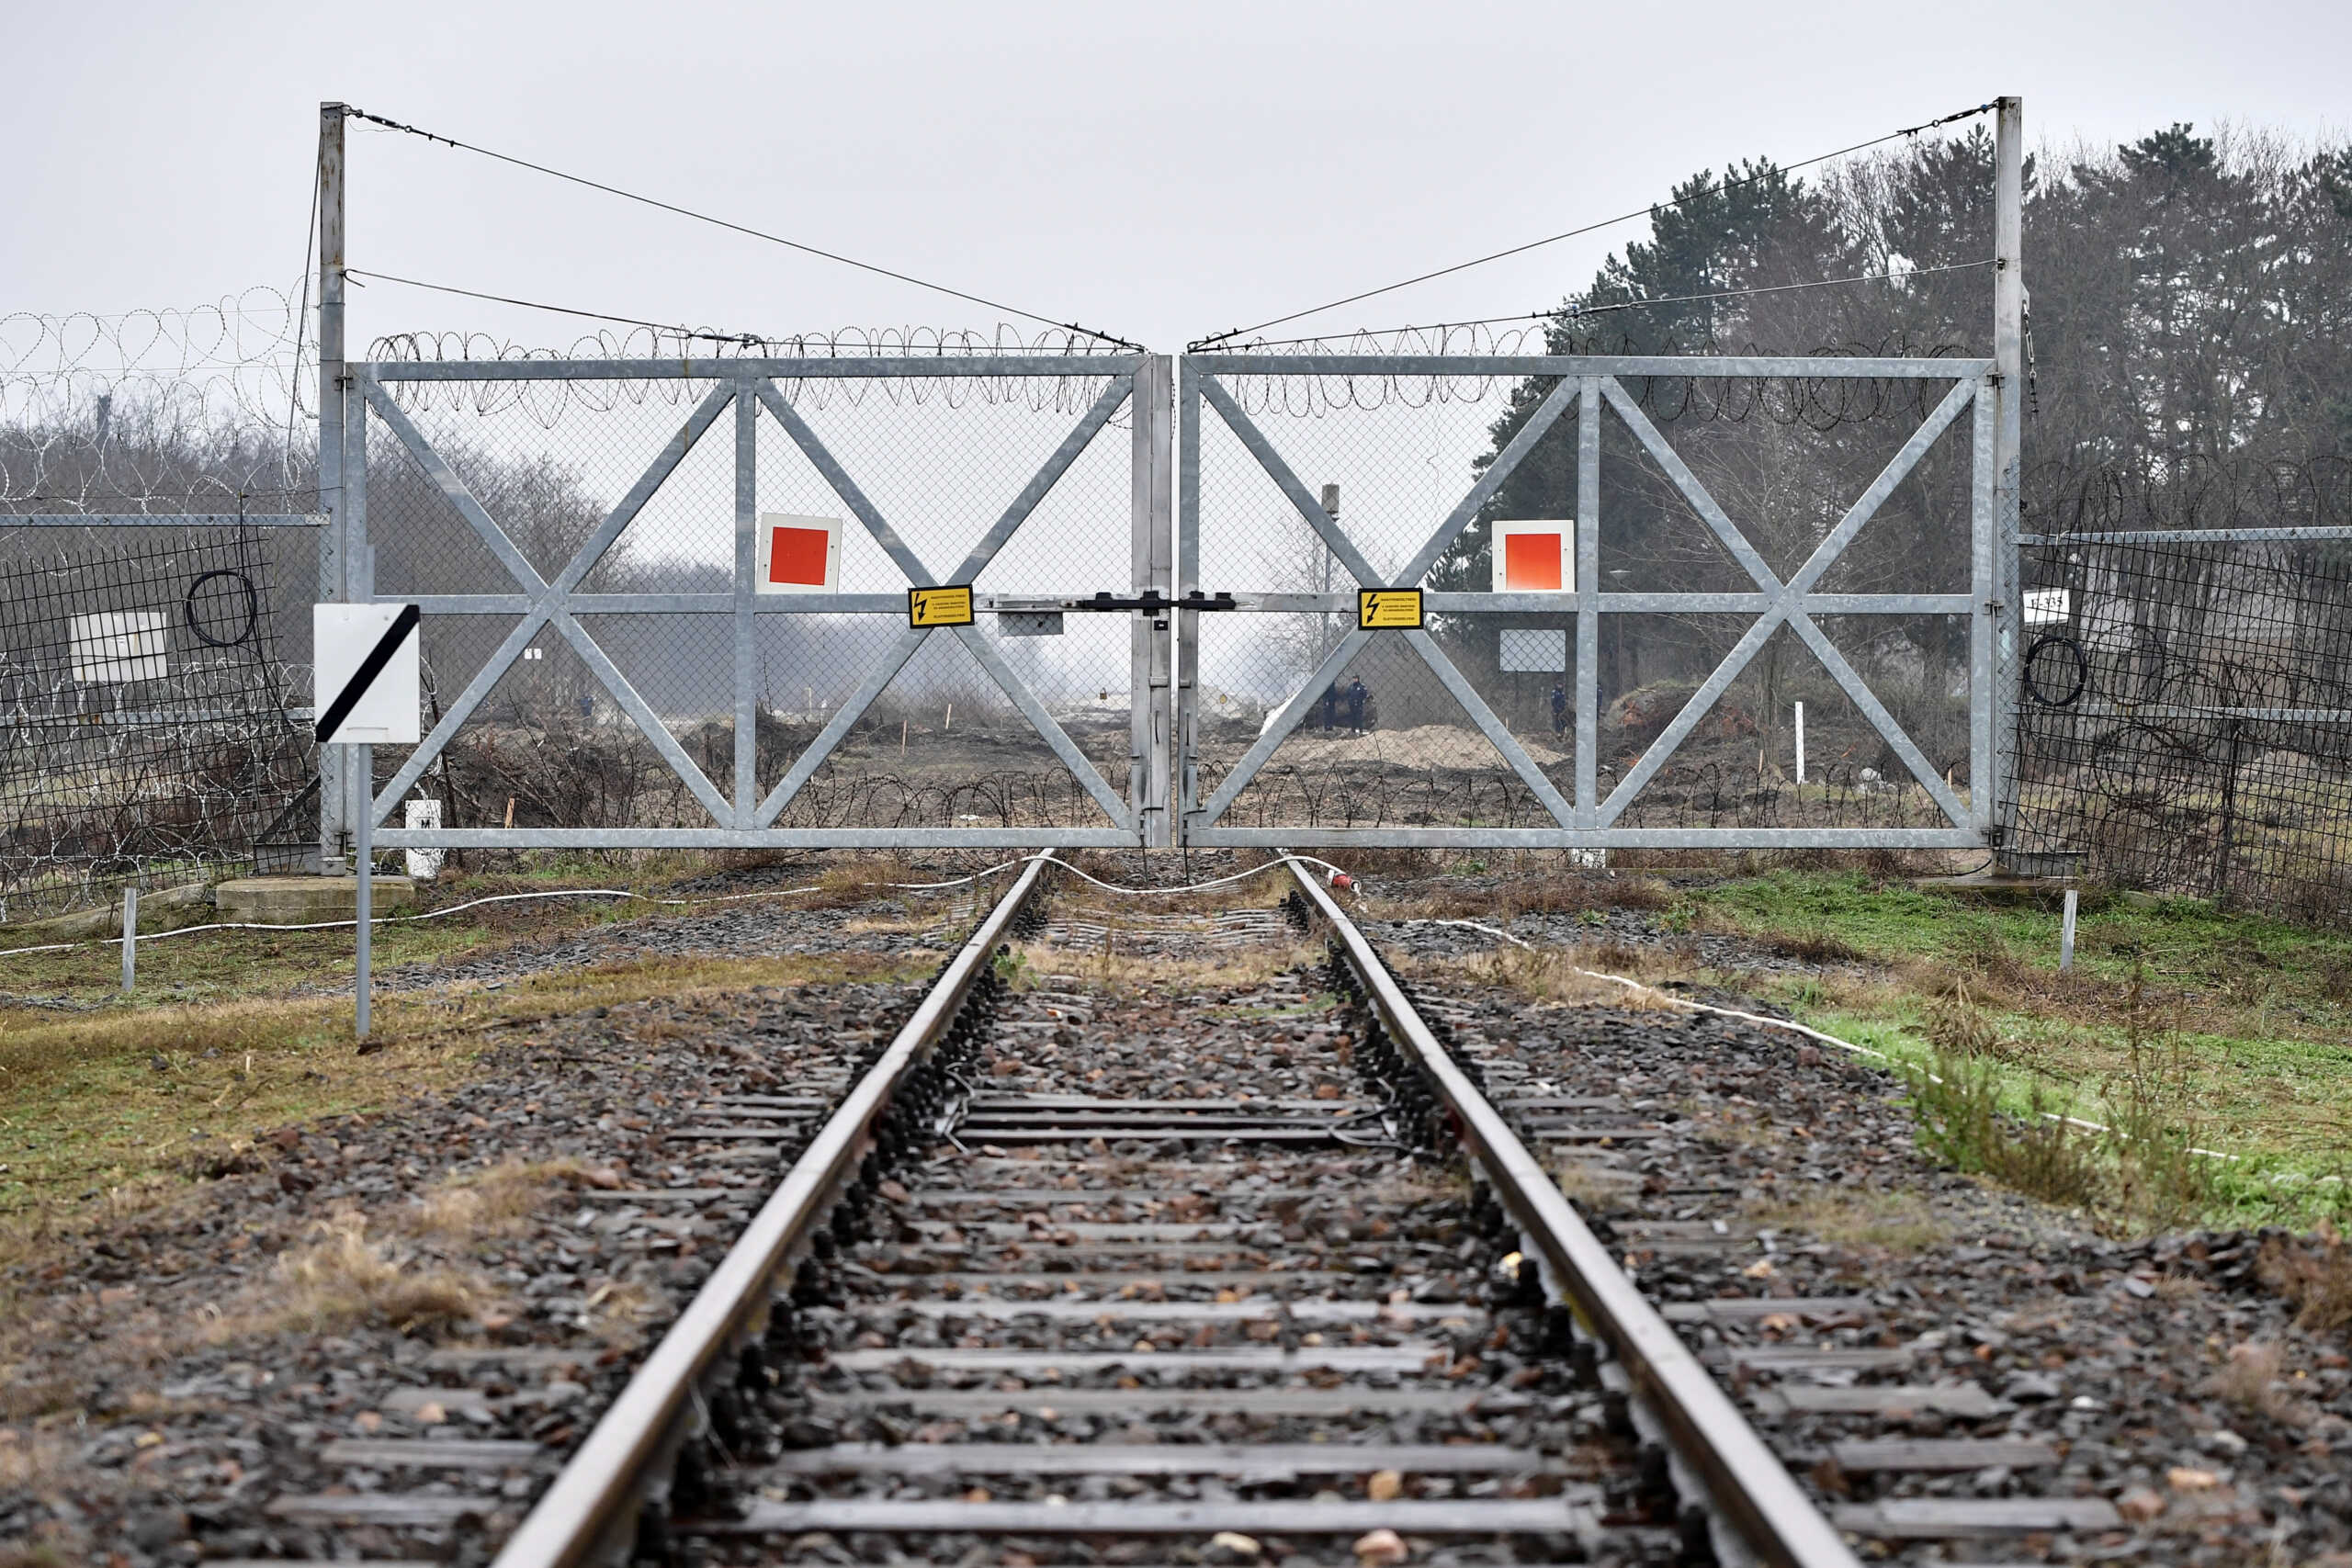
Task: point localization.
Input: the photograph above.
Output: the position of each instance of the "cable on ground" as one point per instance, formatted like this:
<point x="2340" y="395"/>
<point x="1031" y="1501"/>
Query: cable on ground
<point x="1654" y="994"/>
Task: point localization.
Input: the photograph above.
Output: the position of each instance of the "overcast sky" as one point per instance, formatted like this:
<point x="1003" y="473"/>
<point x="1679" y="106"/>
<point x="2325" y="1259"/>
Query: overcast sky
<point x="1159" y="172"/>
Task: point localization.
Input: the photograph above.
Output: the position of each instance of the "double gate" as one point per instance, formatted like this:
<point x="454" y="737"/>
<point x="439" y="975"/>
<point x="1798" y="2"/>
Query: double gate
<point x="1234" y="599"/>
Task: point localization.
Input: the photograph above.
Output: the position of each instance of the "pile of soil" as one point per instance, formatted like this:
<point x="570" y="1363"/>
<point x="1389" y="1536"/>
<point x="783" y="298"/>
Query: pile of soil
<point x="1425" y="747"/>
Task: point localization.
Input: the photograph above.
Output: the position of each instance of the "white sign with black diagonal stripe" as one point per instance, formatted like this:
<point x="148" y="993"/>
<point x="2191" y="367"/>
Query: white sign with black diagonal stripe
<point x="365" y="657"/>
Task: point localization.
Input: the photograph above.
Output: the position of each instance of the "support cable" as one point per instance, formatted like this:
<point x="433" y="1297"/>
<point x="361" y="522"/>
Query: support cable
<point x="1577" y="313"/>
<point x="746" y="339"/>
<point x="1214" y="339"/>
<point x="738" y="228"/>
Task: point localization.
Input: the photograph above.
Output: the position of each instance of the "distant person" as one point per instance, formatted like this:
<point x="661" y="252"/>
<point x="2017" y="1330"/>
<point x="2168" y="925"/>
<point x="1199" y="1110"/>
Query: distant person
<point x="1559" y="710"/>
<point x="1356" y="695"/>
<point x="1331" y="705"/>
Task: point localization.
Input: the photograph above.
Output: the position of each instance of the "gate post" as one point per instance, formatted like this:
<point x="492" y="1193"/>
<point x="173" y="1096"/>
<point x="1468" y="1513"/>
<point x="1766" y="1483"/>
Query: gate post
<point x="334" y="821"/>
<point x="1150" y="408"/>
<point x="2008" y="373"/>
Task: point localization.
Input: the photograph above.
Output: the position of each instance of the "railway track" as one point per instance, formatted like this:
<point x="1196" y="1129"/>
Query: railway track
<point x="1269" y="1272"/>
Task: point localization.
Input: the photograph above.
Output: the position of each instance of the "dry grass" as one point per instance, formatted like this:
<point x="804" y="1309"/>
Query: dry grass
<point x="123" y="1106"/>
<point x="1551" y="975"/>
<point x="2314" y="1272"/>
<point x="1570" y="892"/>
<point x="346" y="1279"/>
<point x="496" y="1201"/>
<point x="1591" y="1188"/>
<point x="864" y="881"/>
<point x="2251" y="1380"/>
<point x="31" y="1458"/>
<point x="1126" y="973"/>
<point x="1898" y="1222"/>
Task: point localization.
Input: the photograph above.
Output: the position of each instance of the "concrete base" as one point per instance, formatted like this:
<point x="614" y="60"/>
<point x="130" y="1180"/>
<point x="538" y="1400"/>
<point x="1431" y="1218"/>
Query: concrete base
<point x="302" y="900"/>
<point x="1989" y="888"/>
<point x="164" y="909"/>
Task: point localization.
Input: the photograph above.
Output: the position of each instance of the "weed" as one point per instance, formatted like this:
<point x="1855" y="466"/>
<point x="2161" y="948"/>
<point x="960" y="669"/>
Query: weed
<point x="2160" y="1180"/>
<point x="2040" y="1154"/>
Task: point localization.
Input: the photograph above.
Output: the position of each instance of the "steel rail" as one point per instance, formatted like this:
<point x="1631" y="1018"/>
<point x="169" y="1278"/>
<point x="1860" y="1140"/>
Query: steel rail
<point x="1746" y="1481"/>
<point x="593" y="1495"/>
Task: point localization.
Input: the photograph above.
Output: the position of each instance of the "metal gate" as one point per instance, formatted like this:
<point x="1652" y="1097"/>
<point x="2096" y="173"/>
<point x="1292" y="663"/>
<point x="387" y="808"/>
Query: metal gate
<point x="1392" y="609"/>
<point x="635" y="561"/>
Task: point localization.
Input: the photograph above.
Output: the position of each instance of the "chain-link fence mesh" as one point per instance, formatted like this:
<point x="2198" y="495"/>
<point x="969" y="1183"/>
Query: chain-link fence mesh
<point x="153" y="679"/>
<point x="148" y="726"/>
<point x="938" y="459"/>
<point x="1386" y="743"/>
<point x="2184" y="704"/>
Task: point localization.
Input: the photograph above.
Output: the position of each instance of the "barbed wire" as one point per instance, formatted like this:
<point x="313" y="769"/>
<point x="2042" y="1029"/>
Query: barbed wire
<point x="1820" y="402"/>
<point x="2062" y="497"/>
<point x="548" y="401"/>
<point x="161" y="410"/>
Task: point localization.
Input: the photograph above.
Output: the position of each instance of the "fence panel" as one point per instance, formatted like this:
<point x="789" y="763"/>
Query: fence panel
<point x="1629" y="573"/>
<point x="668" y="603"/>
<point x="2185" y="710"/>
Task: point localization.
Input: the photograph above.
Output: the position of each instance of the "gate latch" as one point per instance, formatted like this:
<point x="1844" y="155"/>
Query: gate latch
<point x="1151" y="602"/>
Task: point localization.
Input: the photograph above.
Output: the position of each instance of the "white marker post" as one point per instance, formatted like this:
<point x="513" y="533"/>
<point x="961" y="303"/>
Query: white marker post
<point x="2066" y="936"/>
<point x="366" y="656"/>
<point x="1800" y="707"/>
<point x="130" y="937"/>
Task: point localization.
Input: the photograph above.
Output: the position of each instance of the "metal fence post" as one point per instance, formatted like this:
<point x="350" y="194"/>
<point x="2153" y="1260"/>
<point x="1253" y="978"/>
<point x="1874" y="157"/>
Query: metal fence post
<point x="1153" y="713"/>
<point x="333" y="586"/>
<point x="2008" y="373"/>
<point x="1587" y="676"/>
<point x="746" y="789"/>
<point x="1188" y="568"/>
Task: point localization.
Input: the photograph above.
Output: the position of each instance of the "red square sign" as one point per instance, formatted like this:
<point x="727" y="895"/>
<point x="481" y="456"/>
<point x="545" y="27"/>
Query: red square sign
<point x="798" y="556"/>
<point x="1532" y="561"/>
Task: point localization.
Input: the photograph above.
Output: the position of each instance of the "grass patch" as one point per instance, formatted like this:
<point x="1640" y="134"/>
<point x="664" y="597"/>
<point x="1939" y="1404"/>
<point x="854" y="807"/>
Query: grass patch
<point x="1898" y="1222"/>
<point x="226" y="965"/>
<point x="130" y="1100"/>
<point x="2181" y="1026"/>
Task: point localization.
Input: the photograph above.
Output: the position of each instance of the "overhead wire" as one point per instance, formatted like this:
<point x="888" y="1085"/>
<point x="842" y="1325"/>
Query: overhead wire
<point x="676" y="330"/>
<point x="729" y="224"/>
<point x="1214" y="339"/>
<point x="302" y="315"/>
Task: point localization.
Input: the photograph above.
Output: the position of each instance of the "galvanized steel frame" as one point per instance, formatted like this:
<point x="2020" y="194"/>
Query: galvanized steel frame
<point x="1591" y="382"/>
<point x="741" y="817"/>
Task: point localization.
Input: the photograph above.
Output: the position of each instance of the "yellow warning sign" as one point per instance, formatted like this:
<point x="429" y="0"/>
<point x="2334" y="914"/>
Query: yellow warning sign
<point x="1389" y="609"/>
<point x="939" y="606"/>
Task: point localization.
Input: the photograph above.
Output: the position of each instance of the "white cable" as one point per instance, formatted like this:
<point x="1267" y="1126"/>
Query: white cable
<point x="641" y="898"/>
<point x="390" y="919"/>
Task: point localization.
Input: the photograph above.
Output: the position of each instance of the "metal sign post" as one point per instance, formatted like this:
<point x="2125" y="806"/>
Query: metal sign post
<point x="367" y="660"/>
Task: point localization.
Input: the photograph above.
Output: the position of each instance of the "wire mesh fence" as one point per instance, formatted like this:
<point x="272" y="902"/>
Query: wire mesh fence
<point x="1387" y="739"/>
<point x="154" y="667"/>
<point x="151" y="729"/>
<point x="622" y="712"/>
<point x="2185" y="698"/>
